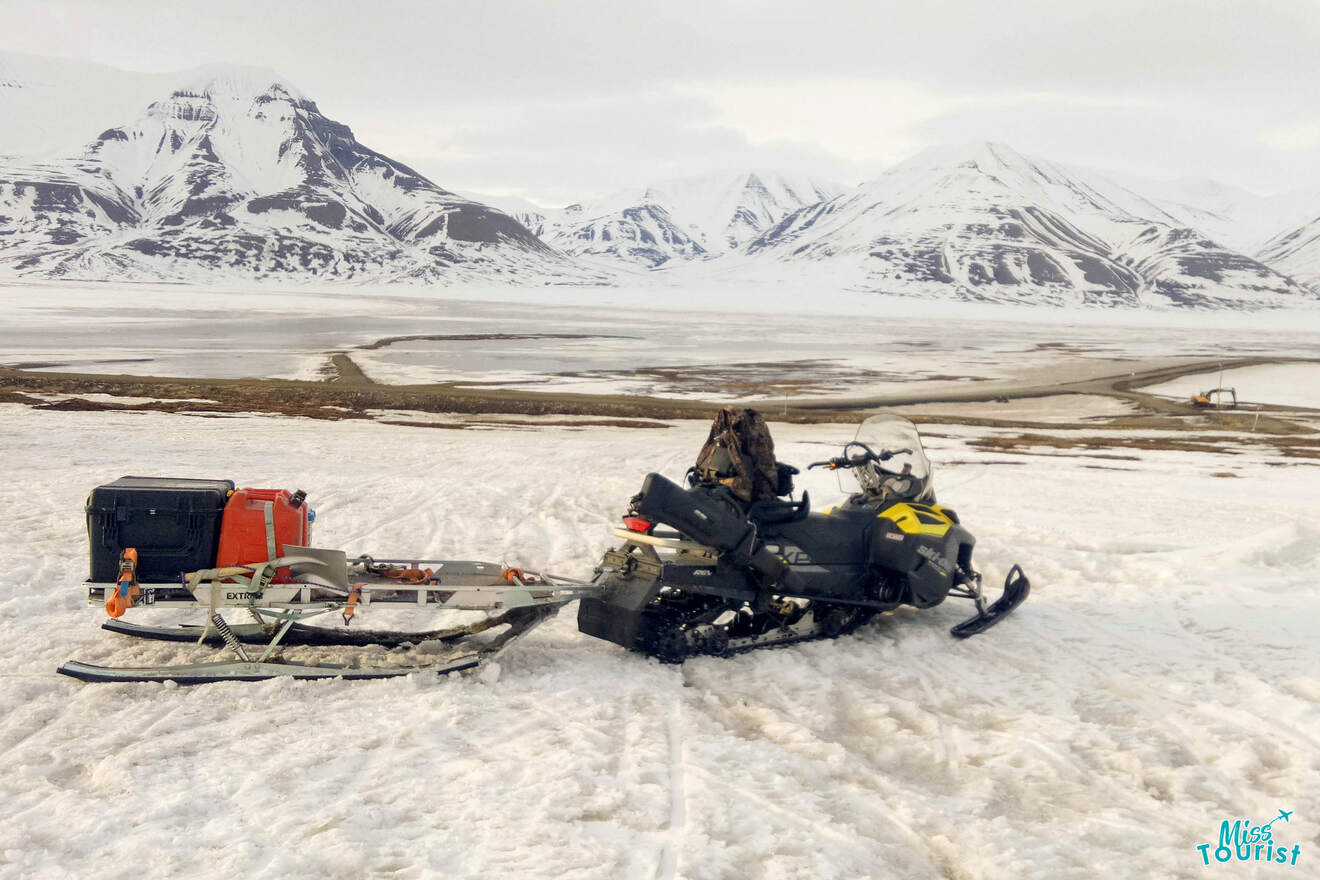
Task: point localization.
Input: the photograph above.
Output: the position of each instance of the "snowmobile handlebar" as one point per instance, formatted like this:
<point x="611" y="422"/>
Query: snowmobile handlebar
<point x="845" y="461"/>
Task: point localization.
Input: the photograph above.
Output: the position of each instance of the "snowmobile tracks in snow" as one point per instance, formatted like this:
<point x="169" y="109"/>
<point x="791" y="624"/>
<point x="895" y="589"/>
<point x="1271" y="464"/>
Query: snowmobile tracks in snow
<point x="672" y="847"/>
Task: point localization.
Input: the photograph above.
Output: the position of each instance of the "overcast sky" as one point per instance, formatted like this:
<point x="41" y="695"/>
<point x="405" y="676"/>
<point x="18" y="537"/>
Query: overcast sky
<point x="558" y="100"/>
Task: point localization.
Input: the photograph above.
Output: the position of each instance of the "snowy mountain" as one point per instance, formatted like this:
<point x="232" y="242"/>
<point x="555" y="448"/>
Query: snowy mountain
<point x="525" y="211"/>
<point x="1236" y="217"/>
<point x="984" y="222"/>
<point x="233" y="170"/>
<point x="1297" y="252"/>
<point x="696" y="218"/>
<point x="231" y="173"/>
<point x="1282" y="230"/>
<point x="645" y="235"/>
<point x="1273" y="229"/>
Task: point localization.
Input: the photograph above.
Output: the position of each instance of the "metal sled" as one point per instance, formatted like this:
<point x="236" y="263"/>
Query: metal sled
<point x="323" y="582"/>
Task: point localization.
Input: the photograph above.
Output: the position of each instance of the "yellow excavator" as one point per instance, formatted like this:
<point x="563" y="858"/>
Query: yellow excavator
<point x="1219" y="398"/>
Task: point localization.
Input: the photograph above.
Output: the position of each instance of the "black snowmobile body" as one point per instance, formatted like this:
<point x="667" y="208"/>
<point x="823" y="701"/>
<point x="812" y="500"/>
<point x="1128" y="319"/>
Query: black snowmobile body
<point x="739" y="574"/>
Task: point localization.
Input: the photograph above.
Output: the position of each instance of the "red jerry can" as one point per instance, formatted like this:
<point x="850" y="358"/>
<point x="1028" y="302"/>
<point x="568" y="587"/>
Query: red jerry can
<point x="258" y="524"/>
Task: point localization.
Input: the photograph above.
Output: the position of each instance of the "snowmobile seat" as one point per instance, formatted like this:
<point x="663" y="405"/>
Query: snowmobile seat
<point x="830" y="540"/>
<point x="774" y="511"/>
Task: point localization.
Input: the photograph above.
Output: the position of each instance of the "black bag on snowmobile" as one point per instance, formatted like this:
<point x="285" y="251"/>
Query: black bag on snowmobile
<point x="740" y="454"/>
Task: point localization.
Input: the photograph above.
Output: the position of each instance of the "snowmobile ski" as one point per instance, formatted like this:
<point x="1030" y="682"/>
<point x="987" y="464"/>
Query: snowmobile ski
<point x="1016" y="588"/>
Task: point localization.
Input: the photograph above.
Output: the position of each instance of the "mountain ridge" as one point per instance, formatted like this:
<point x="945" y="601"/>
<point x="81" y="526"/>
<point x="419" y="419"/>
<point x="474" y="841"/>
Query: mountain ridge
<point x="984" y="222"/>
<point x="231" y="172"/>
<point x="236" y="169"/>
<point x="683" y="219"/>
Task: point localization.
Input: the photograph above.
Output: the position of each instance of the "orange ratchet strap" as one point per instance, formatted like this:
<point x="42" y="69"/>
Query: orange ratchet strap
<point x="353" y="596"/>
<point x="126" y="585"/>
<point x="412" y="575"/>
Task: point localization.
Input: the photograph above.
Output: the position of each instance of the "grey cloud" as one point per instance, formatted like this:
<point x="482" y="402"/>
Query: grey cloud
<point x="1225" y="71"/>
<point x="1157" y="141"/>
<point x="589" y="47"/>
<point x="598" y="146"/>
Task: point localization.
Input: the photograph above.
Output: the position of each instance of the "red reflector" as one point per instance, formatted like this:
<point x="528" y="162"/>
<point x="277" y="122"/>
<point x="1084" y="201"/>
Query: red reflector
<point x="637" y="524"/>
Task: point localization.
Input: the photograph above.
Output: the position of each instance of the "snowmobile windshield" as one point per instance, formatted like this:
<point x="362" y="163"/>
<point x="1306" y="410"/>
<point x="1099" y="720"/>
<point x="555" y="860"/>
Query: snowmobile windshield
<point x="897" y="438"/>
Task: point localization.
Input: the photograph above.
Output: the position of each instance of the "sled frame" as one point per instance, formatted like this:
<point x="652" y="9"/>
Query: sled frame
<point x="324" y="581"/>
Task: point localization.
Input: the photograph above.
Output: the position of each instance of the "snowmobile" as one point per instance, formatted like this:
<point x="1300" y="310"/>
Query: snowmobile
<point x="741" y="566"/>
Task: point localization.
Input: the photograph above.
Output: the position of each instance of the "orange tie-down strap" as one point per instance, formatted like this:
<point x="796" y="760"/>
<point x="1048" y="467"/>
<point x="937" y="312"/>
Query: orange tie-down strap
<point x="353" y="596"/>
<point x="126" y="585"/>
<point x="428" y="576"/>
<point x="412" y="575"/>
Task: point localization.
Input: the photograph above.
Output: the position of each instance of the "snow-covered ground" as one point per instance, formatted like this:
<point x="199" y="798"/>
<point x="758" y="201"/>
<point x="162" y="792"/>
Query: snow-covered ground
<point x="1287" y="384"/>
<point x="1161" y="679"/>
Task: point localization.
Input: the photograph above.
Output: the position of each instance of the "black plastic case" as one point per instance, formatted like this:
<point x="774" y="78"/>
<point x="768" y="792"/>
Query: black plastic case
<point x="174" y="524"/>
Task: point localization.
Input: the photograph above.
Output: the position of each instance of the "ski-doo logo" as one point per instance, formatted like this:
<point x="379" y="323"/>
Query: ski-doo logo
<point x="935" y="558"/>
<point x="1240" y="841"/>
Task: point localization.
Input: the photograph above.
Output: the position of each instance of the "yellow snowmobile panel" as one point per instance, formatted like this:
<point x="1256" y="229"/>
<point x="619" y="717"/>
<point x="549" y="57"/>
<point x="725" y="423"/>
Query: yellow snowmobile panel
<point x="919" y="519"/>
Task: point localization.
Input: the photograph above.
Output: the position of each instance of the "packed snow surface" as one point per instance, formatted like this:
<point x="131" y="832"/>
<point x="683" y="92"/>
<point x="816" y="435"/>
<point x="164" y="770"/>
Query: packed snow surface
<point x="1160" y="679"/>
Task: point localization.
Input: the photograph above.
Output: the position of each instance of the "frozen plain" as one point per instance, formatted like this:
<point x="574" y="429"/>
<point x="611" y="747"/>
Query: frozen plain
<point x="1161" y="678"/>
<point x="849" y="344"/>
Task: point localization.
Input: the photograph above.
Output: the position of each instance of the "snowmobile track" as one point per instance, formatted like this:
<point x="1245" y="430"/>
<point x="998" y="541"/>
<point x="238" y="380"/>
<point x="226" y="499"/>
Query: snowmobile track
<point x="673" y="845"/>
